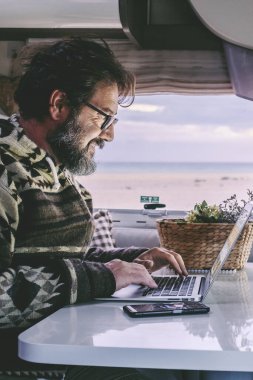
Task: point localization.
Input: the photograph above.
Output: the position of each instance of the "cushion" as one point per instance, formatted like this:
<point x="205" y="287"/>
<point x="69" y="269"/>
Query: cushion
<point x="136" y="237"/>
<point x="102" y="237"/>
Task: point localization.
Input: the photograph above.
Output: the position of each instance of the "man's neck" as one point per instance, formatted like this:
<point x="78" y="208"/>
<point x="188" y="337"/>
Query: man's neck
<point x="38" y="132"/>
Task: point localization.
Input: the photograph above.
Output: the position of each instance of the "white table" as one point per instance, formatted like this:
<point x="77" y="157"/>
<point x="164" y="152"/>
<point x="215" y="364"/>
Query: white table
<point x="99" y="333"/>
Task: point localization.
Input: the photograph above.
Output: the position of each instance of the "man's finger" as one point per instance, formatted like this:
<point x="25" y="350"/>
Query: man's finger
<point x="148" y="264"/>
<point x="180" y="262"/>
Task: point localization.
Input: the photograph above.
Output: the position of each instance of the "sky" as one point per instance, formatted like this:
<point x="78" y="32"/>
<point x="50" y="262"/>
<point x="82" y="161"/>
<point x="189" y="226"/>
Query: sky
<point x="180" y="128"/>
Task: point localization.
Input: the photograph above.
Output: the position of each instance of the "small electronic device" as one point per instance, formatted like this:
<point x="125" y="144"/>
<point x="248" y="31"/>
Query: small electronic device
<point x="166" y="308"/>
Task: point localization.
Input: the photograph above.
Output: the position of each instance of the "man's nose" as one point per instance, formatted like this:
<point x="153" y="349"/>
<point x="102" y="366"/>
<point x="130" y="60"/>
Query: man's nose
<point x="108" y="134"/>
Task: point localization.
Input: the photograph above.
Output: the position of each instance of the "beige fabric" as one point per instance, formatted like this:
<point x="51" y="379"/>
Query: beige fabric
<point x="175" y="71"/>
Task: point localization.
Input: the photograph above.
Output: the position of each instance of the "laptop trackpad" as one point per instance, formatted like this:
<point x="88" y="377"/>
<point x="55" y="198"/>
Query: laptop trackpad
<point x="129" y="291"/>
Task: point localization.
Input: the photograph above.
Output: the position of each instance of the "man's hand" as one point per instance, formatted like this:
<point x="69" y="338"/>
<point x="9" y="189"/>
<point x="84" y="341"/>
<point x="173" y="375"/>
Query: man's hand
<point x="156" y="258"/>
<point x="130" y="273"/>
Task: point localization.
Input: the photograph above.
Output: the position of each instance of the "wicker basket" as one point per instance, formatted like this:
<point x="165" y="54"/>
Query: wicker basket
<point x="200" y="243"/>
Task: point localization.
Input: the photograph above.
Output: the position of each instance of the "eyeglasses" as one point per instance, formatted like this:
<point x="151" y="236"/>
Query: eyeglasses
<point x="109" y="120"/>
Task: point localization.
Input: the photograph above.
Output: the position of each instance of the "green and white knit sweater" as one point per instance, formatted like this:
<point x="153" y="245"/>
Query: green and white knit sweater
<point x="45" y="229"/>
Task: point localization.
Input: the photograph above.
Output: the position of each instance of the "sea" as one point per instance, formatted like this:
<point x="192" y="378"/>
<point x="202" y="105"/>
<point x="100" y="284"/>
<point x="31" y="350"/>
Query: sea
<point x="175" y="167"/>
<point x="179" y="185"/>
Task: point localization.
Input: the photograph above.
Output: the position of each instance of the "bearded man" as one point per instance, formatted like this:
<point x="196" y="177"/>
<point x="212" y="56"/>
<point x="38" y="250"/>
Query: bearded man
<point x="67" y="98"/>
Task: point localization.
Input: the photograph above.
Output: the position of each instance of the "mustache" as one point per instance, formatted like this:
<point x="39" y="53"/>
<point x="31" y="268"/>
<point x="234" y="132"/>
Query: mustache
<point x="99" y="142"/>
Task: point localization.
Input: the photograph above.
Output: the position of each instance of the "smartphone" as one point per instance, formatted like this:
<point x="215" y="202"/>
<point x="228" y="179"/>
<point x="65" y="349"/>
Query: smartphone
<point x="166" y="308"/>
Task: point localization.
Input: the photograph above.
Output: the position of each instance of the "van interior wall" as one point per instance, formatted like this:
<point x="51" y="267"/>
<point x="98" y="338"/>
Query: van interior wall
<point x="8" y="79"/>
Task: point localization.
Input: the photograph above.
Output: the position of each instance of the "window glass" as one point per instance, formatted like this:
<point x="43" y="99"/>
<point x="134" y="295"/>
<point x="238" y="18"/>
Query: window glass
<point x="183" y="149"/>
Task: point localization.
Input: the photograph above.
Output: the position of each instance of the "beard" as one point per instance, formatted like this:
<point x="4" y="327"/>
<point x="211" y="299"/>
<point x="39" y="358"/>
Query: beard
<point x="66" y="144"/>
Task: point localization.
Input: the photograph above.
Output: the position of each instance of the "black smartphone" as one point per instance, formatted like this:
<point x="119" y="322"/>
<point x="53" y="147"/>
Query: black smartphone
<point x="166" y="308"/>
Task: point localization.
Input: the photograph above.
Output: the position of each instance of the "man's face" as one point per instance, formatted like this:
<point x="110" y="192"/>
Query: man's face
<point x="74" y="142"/>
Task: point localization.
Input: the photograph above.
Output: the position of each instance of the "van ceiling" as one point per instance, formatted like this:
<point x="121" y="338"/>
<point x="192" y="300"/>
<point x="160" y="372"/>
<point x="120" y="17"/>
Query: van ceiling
<point x="162" y="41"/>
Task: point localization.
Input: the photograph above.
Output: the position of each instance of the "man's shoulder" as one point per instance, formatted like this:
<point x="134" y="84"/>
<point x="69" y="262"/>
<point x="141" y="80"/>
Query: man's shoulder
<point x="5" y="121"/>
<point x="6" y="128"/>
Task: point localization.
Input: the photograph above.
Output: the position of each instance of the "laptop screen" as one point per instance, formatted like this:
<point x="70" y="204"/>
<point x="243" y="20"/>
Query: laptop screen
<point x="231" y="240"/>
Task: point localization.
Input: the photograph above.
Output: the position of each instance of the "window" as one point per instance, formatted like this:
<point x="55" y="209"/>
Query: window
<point x="183" y="149"/>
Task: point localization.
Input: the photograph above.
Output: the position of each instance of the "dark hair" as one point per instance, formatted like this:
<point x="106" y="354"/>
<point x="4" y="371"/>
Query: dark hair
<point x="74" y="66"/>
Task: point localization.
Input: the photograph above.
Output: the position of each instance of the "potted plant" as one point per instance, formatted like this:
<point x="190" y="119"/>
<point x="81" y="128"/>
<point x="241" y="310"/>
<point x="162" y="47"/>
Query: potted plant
<point x="200" y="236"/>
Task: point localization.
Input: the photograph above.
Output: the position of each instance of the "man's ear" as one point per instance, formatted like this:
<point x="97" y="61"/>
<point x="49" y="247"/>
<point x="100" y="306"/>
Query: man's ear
<point x="58" y="108"/>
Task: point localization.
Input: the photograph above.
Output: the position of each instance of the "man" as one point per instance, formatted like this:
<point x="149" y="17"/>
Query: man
<point x="68" y="99"/>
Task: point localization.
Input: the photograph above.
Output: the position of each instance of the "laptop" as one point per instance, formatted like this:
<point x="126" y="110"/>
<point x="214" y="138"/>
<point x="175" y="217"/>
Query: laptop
<point x="194" y="287"/>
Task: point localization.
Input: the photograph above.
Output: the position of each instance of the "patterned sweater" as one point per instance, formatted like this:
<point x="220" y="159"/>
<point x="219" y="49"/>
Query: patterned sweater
<point x="46" y="226"/>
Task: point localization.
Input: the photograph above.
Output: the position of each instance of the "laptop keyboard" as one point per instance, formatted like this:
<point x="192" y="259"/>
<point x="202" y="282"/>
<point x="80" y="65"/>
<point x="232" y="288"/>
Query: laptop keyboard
<point x="172" y="286"/>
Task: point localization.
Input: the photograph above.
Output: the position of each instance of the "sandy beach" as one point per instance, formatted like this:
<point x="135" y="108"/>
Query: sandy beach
<point x="177" y="191"/>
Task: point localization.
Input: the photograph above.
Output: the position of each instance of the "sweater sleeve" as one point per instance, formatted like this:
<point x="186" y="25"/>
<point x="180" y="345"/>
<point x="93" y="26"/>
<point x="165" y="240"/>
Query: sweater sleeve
<point x="126" y="254"/>
<point x="32" y="289"/>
